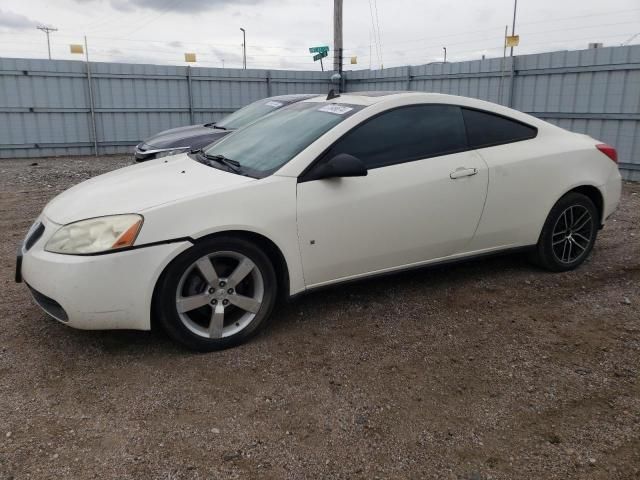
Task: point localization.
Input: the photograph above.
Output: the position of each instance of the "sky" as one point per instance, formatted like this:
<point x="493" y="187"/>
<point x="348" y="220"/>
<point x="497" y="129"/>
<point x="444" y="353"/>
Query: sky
<point x="380" y="33"/>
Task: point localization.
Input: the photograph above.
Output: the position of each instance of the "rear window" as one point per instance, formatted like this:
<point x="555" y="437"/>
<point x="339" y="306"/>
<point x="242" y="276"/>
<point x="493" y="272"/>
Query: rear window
<point x="486" y="129"/>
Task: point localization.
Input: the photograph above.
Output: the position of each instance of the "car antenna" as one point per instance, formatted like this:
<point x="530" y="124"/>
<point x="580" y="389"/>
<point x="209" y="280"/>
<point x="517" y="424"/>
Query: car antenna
<point x="332" y="94"/>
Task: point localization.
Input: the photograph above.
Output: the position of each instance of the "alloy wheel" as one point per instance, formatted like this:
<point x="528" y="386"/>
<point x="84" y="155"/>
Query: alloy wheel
<point x="219" y="294"/>
<point x="572" y="234"/>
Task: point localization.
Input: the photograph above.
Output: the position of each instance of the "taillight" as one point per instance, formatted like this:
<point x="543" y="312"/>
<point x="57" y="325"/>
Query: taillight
<point x="609" y="151"/>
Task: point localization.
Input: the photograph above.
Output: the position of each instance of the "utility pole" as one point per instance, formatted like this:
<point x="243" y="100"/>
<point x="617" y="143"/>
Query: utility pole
<point x="513" y="27"/>
<point x="337" y="36"/>
<point x="47" y="29"/>
<point x="504" y="54"/>
<point x="244" y="48"/>
<point x="445" y="54"/>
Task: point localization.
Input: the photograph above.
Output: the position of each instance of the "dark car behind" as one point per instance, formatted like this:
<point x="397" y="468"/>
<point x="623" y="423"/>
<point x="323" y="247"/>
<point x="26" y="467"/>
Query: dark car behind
<point x="194" y="137"/>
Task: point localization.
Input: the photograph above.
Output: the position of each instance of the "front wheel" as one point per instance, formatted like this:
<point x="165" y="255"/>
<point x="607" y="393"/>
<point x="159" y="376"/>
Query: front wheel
<point x="569" y="233"/>
<point x="216" y="294"/>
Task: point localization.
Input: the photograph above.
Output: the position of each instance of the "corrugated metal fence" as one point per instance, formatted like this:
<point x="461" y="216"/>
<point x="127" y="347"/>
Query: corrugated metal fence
<point x="45" y="106"/>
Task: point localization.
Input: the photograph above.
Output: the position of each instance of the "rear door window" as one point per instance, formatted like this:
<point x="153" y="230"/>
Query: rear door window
<point x="485" y="129"/>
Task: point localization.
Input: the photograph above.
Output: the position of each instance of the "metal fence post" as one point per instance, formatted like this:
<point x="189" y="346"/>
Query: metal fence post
<point x="512" y="81"/>
<point x="189" y="92"/>
<point x="268" y="78"/>
<point x="92" y="109"/>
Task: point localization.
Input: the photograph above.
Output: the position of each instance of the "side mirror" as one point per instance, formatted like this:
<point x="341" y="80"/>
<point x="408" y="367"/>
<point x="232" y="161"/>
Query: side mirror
<point x="342" y="165"/>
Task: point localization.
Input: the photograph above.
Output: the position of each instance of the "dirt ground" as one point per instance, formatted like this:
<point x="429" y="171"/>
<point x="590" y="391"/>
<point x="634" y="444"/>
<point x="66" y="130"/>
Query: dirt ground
<point x="490" y="369"/>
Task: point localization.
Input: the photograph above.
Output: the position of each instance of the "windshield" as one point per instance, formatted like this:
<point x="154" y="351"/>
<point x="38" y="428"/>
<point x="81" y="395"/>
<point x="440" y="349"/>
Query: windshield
<point x="250" y="113"/>
<point x="266" y="145"/>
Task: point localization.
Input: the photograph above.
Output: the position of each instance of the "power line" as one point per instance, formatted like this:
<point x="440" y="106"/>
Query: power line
<point x="169" y="6"/>
<point x="357" y="47"/>
<point x="500" y="27"/>
<point x="290" y="55"/>
<point x="138" y="21"/>
<point x="407" y="60"/>
<point x="305" y="65"/>
<point x="166" y="41"/>
<point x="545" y="32"/>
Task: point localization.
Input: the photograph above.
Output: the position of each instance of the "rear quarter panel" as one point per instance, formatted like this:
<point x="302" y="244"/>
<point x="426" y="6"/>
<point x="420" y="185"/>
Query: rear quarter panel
<point x="527" y="178"/>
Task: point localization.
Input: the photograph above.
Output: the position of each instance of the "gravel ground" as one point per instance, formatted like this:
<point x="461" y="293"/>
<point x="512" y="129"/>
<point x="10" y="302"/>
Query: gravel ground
<point x="488" y="369"/>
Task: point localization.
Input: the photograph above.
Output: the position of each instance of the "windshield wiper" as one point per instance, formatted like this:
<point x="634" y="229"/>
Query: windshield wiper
<point x="236" y="167"/>
<point x="232" y="164"/>
<point x="213" y="125"/>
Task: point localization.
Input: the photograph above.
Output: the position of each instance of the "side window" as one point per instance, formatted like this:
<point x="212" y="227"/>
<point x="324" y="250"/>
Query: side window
<point x="486" y="129"/>
<point x="404" y="134"/>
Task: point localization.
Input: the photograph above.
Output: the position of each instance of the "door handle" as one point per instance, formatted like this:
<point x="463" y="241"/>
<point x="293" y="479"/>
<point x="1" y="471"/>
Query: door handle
<point x="463" y="172"/>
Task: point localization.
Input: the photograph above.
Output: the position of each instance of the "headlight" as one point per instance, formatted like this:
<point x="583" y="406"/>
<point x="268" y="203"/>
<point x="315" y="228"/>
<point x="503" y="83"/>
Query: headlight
<point x="175" y="151"/>
<point x="95" y="235"/>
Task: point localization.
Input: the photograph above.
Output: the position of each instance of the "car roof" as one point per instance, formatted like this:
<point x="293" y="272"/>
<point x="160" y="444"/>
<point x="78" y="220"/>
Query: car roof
<point x="292" y="98"/>
<point x="368" y="98"/>
<point x="363" y="98"/>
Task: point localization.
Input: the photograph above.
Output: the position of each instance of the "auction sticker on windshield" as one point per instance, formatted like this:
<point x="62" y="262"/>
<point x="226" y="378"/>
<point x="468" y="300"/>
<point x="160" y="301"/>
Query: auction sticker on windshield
<point x="337" y="109"/>
<point x="273" y="104"/>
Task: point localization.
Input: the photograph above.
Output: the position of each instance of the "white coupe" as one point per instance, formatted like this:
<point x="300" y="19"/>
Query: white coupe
<point x="322" y="191"/>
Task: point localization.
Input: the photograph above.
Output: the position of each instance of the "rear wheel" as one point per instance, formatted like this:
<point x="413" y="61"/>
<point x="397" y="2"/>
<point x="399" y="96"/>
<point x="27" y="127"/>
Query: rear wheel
<point x="216" y="294"/>
<point x="569" y="233"/>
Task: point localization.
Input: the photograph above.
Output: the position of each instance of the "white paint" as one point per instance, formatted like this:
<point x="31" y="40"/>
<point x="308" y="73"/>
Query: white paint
<point x="398" y="216"/>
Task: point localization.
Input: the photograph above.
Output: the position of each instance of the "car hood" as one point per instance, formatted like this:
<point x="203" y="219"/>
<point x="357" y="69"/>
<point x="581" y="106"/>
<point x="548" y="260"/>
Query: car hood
<point x="138" y="187"/>
<point x="194" y="136"/>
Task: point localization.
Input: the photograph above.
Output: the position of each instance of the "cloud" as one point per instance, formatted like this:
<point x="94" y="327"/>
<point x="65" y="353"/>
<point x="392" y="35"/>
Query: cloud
<point x="227" y="54"/>
<point x="15" y="21"/>
<point x="175" y="6"/>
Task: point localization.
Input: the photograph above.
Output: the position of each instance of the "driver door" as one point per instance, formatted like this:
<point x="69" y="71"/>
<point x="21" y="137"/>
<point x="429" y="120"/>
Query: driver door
<point x="421" y="200"/>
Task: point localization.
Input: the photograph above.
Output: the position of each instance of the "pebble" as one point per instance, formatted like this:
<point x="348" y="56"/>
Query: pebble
<point x="231" y="456"/>
<point x="215" y="430"/>
<point x="8" y="434"/>
<point x="626" y="301"/>
<point x="592" y="461"/>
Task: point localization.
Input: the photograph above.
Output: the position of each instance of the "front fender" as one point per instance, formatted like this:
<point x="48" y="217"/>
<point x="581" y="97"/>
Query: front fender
<point x="266" y="207"/>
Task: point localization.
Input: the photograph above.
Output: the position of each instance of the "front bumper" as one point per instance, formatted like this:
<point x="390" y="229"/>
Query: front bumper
<point x="96" y="292"/>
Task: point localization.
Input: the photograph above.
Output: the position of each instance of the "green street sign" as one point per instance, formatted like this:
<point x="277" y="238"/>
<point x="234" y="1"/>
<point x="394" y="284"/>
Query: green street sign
<point x="318" y="49"/>
<point x="320" y="55"/>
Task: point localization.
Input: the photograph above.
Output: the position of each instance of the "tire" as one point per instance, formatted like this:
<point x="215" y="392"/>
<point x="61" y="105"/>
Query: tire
<point x="568" y="235"/>
<point x="219" y="304"/>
